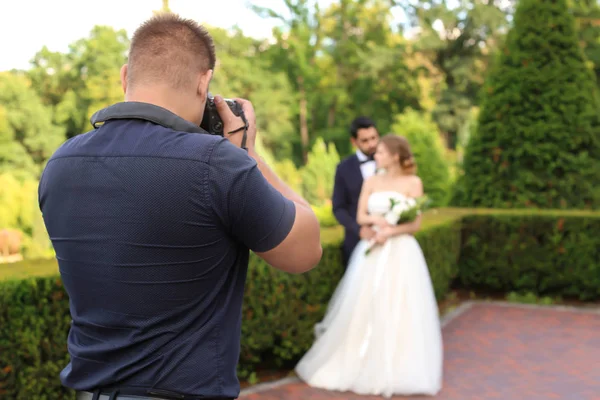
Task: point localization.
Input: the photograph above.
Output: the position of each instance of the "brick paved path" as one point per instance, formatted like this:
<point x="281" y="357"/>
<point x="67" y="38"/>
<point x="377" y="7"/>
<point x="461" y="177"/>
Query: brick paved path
<point x="498" y="351"/>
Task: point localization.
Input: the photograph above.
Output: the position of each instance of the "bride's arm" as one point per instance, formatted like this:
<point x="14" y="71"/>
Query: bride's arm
<point x="410" y="227"/>
<point x="362" y="215"/>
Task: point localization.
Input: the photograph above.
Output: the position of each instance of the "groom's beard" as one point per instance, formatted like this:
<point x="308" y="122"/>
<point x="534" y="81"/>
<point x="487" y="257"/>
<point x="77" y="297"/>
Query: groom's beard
<point x="369" y="153"/>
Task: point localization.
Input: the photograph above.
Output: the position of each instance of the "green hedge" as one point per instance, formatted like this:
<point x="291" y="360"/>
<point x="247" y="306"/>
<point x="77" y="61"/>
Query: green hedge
<point x="553" y="253"/>
<point x="541" y="252"/>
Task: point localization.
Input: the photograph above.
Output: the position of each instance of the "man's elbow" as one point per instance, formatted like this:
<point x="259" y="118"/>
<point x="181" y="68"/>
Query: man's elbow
<point x="309" y="252"/>
<point x="308" y="260"/>
<point x="302" y="250"/>
<point x="301" y="259"/>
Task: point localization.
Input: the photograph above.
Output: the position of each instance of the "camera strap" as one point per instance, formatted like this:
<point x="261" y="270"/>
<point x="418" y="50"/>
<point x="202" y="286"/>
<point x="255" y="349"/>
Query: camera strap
<point x="245" y="129"/>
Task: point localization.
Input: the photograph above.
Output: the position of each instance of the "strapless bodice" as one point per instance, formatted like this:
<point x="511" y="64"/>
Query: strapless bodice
<point x="379" y="202"/>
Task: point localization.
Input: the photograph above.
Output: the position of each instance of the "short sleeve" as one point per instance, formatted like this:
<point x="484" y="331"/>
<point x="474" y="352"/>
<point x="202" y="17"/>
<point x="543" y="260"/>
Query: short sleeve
<point x="247" y="205"/>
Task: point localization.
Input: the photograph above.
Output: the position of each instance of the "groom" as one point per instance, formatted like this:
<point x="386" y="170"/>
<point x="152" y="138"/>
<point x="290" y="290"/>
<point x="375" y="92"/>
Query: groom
<point x="349" y="176"/>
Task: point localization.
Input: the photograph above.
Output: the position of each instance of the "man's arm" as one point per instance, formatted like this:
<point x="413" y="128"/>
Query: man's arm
<point x="301" y="250"/>
<point x="264" y="213"/>
<point x="261" y="211"/>
<point x="340" y="204"/>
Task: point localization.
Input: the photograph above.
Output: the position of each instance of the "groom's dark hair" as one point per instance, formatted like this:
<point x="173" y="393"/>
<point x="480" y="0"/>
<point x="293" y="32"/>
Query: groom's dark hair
<point x="360" y="123"/>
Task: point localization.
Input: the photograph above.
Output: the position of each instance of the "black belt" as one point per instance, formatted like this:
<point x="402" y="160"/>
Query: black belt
<point x="117" y="396"/>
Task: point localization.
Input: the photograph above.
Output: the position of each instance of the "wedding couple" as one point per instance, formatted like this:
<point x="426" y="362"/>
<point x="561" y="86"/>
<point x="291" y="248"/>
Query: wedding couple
<point x="381" y="334"/>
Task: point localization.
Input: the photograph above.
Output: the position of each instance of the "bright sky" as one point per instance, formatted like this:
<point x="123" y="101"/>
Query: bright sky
<point x="27" y="25"/>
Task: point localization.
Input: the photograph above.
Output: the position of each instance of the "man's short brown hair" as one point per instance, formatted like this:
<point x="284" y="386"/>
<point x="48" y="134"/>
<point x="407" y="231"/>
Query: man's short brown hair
<point x="169" y="49"/>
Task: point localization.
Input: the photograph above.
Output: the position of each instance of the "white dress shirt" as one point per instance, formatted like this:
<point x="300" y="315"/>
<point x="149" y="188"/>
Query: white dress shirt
<point x="367" y="168"/>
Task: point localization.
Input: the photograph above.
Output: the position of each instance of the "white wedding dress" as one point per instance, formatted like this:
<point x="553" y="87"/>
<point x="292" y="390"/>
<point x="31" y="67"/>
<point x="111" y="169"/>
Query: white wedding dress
<point x="381" y="334"/>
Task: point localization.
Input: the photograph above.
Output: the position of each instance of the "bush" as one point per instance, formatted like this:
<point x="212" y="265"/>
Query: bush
<point x="428" y="150"/>
<point x="325" y="214"/>
<point x="441" y="246"/>
<point x="34" y="320"/>
<point x="543" y="253"/>
<point x="538" y="138"/>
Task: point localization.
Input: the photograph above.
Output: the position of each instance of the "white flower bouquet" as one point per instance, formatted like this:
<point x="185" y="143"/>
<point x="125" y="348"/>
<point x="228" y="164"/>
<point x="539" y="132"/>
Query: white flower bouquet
<point x="402" y="211"/>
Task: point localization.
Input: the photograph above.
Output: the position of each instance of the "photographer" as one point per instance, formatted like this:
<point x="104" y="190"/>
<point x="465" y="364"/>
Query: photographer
<point x="152" y="219"/>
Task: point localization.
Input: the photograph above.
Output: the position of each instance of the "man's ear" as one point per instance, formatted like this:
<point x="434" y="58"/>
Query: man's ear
<point x="353" y="141"/>
<point x="124" y="78"/>
<point x="203" y="82"/>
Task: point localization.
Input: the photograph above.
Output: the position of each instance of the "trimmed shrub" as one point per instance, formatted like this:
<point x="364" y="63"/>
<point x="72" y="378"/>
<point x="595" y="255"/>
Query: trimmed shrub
<point x="538" y="138"/>
<point x="545" y="253"/>
<point x="428" y="150"/>
<point x="34" y="320"/>
<point x="441" y="246"/>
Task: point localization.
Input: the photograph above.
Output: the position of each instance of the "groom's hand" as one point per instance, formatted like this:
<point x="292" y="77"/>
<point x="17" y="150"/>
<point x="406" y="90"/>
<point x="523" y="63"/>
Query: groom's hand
<point x="366" y="232"/>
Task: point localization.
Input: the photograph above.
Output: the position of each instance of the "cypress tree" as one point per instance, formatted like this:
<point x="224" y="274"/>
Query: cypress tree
<point x="538" y="137"/>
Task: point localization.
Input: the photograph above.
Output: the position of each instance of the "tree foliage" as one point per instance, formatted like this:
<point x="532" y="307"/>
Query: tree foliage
<point x="538" y="140"/>
<point x="28" y="135"/>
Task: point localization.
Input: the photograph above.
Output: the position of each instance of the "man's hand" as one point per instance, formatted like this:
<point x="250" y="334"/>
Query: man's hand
<point x="232" y="123"/>
<point x="381" y="223"/>
<point x="386" y="232"/>
<point x="380" y="238"/>
<point x="366" y="232"/>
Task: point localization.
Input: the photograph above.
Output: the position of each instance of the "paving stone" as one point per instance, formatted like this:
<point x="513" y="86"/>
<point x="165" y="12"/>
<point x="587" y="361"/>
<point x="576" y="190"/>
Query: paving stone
<point x="496" y="351"/>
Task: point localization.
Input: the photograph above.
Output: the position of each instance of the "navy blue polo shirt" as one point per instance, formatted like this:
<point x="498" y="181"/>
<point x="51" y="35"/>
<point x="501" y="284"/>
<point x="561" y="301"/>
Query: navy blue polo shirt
<point x="152" y="221"/>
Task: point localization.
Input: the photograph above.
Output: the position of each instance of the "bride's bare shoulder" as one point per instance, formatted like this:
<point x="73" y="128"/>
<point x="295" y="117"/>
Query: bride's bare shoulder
<point x="372" y="181"/>
<point x="416" y="186"/>
<point x="416" y="180"/>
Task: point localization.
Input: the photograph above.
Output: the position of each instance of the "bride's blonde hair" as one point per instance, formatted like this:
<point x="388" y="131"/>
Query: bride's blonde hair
<point x="400" y="146"/>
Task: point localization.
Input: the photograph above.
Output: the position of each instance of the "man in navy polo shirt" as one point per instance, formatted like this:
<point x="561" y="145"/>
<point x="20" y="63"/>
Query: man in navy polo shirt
<point x="152" y="220"/>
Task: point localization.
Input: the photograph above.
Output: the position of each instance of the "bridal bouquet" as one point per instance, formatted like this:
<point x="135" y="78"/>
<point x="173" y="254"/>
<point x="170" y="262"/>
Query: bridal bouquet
<point x="402" y="211"/>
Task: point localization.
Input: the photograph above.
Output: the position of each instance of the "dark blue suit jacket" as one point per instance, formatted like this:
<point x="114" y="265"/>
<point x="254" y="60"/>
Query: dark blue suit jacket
<point x="346" y="191"/>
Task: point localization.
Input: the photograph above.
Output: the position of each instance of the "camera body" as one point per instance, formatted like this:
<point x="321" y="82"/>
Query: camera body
<point x="211" y="121"/>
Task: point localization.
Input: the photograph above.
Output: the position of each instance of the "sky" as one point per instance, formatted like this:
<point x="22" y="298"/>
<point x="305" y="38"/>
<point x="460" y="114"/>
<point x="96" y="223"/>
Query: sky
<point x="27" y="25"/>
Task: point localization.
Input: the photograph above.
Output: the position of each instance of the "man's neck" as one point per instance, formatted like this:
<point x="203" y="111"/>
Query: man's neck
<point x="361" y="156"/>
<point x="162" y="97"/>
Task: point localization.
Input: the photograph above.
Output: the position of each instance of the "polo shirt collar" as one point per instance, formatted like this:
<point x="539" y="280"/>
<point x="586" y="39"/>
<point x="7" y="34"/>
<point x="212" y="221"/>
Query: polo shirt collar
<point x="144" y="111"/>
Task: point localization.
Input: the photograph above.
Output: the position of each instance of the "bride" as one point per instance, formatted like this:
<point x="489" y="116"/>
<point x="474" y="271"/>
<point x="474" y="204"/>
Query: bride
<point x="381" y="334"/>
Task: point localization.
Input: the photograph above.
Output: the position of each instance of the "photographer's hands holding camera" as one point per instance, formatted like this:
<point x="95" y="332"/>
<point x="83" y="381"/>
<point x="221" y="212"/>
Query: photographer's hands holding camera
<point x="233" y="123"/>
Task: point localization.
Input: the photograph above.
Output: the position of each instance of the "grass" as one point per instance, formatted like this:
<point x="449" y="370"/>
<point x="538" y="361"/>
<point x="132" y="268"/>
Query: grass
<point x="28" y="268"/>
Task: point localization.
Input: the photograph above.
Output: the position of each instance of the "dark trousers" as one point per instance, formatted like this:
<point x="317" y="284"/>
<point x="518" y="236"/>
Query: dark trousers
<point x="347" y="248"/>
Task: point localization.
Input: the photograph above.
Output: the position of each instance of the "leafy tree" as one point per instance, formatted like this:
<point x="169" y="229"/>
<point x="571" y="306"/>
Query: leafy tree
<point x="243" y="72"/>
<point x="457" y="38"/>
<point x="10" y="201"/>
<point x="538" y="139"/>
<point x="19" y="210"/>
<point x="365" y="69"/>
<point x="428" y="150"/>
<point x="319" y="172"/>
<point x="298" y="44"/>
<point x="27" y="134"/>
<point x="85" y="79"/>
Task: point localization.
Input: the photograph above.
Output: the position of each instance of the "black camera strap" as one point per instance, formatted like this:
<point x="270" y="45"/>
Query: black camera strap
<point x="245" y="129"/>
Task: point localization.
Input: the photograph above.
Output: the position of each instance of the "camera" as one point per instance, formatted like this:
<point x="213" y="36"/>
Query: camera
<point x="211" y="121"/>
